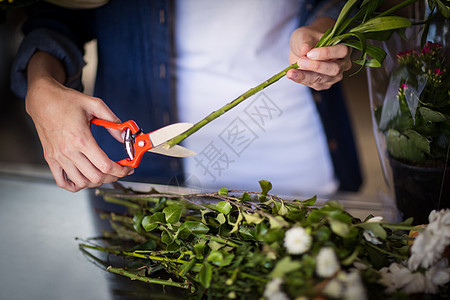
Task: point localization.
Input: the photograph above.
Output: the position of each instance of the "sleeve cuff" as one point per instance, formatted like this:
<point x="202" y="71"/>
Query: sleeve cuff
<point x="54" y="43"/>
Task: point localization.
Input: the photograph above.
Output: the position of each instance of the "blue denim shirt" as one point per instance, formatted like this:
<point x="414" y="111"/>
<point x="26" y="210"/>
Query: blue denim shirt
<point x="134" y="40"/>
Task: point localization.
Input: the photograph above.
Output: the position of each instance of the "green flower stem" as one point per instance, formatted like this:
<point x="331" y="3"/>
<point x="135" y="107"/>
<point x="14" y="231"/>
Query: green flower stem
<point x="133" y="254"/>
<point x="385" y="251"/>
<point x="121" y="202"/>
<point x="134" y="276"/>
<point x="400" y="227"/>
<point x="253" y="277"/>
<point x="219" y="240"/>
<point x="214" y="115"/>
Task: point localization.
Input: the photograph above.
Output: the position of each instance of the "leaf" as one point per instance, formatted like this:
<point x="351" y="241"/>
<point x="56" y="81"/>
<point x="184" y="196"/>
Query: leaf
<point x="382" y="24"/>
<point x="378" y="54"/>
<point x="173" y="213"/>
<point x="191" y="227"/>
<point x="167" y="237"/>
<point x="205" y="275"/>
<point x="444" y="10"/>
<point x="238" y="222"/>
<point x="137" y="219"/>
<point x="221" y="218"/>
<point x="309" y="202"/>
<point x="198" y="250"/>
<point x="431" y="115"/>
<point x="421" y="142"/>
<point x="376" y="229"/>
<point x="224" y="207"/>
<point x="215" y="245"/>
<point x="340" y="228"/>
<point x="282" y="211"/>
<point x="266" y="186"/>
<point x="276" y="222"/>
<point x="335" y="204"/>
<point x="223" y="192"/>
<point x="247" y="233"/>
<point x="253" y="218"/>
<point x="151" y="222"/>
<point x="285" y="266"/>
<point x="400" y="146"/>
<point x="220" y="258"/>
<point x="343" y="15"/>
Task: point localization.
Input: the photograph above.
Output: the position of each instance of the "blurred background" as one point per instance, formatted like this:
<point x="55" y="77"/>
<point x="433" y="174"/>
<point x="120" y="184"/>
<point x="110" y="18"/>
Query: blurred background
<point x="21" y="153"/>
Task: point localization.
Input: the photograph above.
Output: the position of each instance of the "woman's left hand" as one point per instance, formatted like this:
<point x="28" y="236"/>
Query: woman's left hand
<point x="319" y="68"/>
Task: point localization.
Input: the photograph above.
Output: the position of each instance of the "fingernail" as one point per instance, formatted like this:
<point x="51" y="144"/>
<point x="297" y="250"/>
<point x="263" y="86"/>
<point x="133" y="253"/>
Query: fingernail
<point x="131" y="172"/>
<point x="312" y="54"/>
<point x="303" y="63"/>
<point x="293" y="75"/>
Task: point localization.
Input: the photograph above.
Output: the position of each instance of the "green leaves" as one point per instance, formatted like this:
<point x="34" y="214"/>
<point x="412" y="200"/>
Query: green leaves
<point x="191" y="227"/>
<point x="239" y="245"/>
<point x="151" y="222"/>
<point x="172" y="213"/>
<point x="224" y="207"/>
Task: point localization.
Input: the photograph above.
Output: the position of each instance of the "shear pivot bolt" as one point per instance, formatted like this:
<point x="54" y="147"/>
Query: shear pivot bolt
<point x="141" y="143"/>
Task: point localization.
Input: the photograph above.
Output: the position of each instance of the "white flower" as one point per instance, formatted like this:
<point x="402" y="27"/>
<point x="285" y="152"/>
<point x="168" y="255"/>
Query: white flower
<point x="297" y="240"/>
<point x="430" y="244"/>
<point x="416" y="284"/>
<point x="347" y="286"/>
<point x="327" y="264"/>
<point x="436" y="276"/>
<point x="278" y="296"/>
<point x="273" y="287"/>
<point x="334" y="289"/>
<point x="396" y="277"/>
<point x="377" y="219"/>
<point x="371" y="237"/>
<point x="439" y="222"/>
<point x="355" y="289"/>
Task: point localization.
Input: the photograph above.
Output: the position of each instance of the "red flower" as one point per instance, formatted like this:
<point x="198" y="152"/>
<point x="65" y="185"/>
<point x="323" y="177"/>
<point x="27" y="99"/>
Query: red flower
<point x="438" y="72"/>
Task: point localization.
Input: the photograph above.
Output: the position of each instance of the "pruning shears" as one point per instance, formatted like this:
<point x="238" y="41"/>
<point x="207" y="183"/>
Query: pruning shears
<point x="137" y="143"/>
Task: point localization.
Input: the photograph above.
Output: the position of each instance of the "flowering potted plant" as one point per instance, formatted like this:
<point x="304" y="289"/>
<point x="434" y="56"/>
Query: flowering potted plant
<point x="411" y="110"/>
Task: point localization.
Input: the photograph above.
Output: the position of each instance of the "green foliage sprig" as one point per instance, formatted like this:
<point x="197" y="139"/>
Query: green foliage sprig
<point x="358" y="22"/>
<point x="245" y="245"/>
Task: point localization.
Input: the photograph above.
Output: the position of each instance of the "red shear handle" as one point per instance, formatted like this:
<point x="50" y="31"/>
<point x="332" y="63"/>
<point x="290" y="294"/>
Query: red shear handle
<point x="134" y="128"/>
<point x="119" y="126"/>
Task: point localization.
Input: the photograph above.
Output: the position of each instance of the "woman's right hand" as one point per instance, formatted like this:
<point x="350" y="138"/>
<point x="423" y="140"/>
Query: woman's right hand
<point x="62" y="119"/>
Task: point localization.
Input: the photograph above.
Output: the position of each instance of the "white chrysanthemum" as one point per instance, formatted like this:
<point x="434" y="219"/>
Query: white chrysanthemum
<point x="273" y="291"/>
<point x="427" y="249"/>
<point x="436" y="276"/>
<point x="297" y="240"/>
<point x="395" y="277"/>
<point x="355" y="289"/>
<point x="278" y="296"/>
<point x="439" y="222"/>
<point x="273" y="287"/>
<point x="327" y="264"/>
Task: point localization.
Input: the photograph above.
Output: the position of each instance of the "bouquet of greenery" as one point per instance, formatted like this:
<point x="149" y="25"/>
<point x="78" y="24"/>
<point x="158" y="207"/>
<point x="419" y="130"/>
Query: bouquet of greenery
<point x="416" y="119"/>
<point x="247" y="245"/>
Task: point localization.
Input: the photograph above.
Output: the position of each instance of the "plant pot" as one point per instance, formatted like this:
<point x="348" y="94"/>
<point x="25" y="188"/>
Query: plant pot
<point x="419" y="190"/>
<point x="399" y="103"/>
